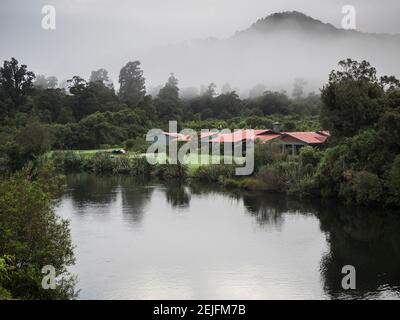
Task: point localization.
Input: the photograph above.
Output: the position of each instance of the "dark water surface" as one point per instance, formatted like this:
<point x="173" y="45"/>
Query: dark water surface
<point x="152" y="241"/>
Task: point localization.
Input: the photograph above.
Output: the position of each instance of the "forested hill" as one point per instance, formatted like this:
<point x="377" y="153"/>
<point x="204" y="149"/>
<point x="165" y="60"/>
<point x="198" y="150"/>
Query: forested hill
<point x="273" y="51"/>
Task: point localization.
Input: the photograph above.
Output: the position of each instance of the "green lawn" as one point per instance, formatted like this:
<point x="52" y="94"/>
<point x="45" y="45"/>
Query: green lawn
<point x="193" y="161"/>
<point x="86" y="153"/>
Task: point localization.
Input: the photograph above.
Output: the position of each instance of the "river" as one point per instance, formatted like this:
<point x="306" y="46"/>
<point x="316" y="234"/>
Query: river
<point x="147" y="240"/>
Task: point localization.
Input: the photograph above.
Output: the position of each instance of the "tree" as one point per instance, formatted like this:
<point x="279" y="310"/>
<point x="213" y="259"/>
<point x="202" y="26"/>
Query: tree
<point x="52" y="82"/>
<point x="298" y="88"/>
<point x="188" y="93"/>
<point x="257" y="91"/>
<point x="168" y="104"/>
<point x="170" y="90"/>
<point x="226" y="105"/>
<point x="32" y="236"/>
<point x="274" y="102"/>
<point x="16" y="81"/>
<point x="355" y="71"/>
<point x="226" y="88"/>
<point x="211" y="90"/>
<point x="34" y="140"/>
<point x="132" y="83"/>
<point x="390" y="83"/>
<point x="352" y="99"/>
<point x="42" y="82"/>
<point x="90" y="97"/>
<point x="76" y="85"/>
<point x="51" y="105"/>
<point x="102" y="76"/>
<point x="393" y="182"/>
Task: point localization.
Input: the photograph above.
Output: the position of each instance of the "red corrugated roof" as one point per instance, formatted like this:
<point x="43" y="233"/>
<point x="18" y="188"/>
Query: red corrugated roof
<point x="267" y="137"/>
<point x="325" y="133"/>
<point x="308" y="137"/>
<point x="235" y="136"/>
<point x="318" y="137"/>
<point x="208" y="134"/>
<point x="261" y="131"/>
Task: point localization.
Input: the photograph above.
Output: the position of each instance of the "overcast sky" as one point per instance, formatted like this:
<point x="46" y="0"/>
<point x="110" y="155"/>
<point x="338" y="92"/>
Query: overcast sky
<point x="91" y="34"/>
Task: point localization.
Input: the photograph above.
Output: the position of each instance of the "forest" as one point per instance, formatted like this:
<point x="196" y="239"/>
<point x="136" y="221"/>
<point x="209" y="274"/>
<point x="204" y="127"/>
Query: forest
<point x="359" y="165"/>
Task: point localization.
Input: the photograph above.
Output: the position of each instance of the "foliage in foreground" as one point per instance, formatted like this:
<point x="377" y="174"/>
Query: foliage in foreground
<point x="32" y="236"/>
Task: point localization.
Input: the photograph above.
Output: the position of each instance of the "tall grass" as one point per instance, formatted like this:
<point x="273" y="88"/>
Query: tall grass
<point x="214" y="173"/>
<point x="101" y="162"/>
<point x="170" y="171"/>
<point x="67" y="161"/>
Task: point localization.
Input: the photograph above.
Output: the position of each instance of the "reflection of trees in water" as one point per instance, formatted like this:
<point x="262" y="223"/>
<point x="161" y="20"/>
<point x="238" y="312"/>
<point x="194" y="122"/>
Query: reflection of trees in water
<point x="365" y="238"/>
<point x="89" y="189"/>
<point x="267" y="209"/>
<point x="102" y="190"/>
<point x="135" y="195"/>
<point x="177" y="195"/>
<point x="205" y="188"/>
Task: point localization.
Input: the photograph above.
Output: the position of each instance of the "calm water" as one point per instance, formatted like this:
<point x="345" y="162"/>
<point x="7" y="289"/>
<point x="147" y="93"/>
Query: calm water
<point x="154" y="241"/>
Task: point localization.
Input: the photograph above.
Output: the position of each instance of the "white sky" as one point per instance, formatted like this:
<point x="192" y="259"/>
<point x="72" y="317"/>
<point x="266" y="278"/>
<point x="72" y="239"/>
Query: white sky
<point x="92" y="34"/>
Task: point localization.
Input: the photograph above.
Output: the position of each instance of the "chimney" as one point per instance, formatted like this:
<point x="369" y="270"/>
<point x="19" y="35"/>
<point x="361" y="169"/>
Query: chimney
<point x="276" y="127"/>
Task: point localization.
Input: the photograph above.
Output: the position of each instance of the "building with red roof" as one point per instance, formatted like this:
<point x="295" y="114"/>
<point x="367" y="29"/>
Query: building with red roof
<point x="290" y="141"/>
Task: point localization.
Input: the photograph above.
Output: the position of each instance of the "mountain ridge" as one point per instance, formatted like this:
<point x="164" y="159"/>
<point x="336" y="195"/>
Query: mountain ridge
<point x="273" y="51"/>
<point x="289" y="20"/>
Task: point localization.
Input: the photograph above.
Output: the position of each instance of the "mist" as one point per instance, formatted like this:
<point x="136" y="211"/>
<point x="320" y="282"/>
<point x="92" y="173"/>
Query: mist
<point x="272" y="55"/>
<point x="196" y="40"/>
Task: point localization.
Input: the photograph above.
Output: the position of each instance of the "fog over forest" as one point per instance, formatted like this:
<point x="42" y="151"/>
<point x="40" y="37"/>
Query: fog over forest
<point x="271" y="54"/>
<point x="238" y="45"/>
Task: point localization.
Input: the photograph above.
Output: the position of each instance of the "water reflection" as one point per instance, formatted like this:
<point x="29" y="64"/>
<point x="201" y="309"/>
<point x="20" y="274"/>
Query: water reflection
<point x="135" y="195"/>
<point x="177" y="194"/>
<point x="213" y="250"/>
<point x="87" y="189"/>
<point x="370" y="241"/>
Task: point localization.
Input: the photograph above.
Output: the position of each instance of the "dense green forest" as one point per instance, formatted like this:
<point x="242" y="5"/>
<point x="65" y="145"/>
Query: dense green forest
<point x="36" y="115"/>
<point x="360" y="164"/>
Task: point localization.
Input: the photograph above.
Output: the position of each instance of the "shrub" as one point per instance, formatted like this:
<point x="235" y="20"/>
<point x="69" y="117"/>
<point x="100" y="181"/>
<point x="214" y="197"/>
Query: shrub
<point x="68" y="161"/>
<point x="393" y="182"/>
<point x="5" y="270"/>
<point x="366" y="187"/>
<point x="231" y="183"/>
<point x="140" y="166"/>
<point x="278" y="176"/>
<point x="305" y="187"/>
<point x="138" y="145"/>
<point x="100" y="162"/>
<point x="250" y="184"/>
<point x="129" y="144"/>
<point x="121" y="165"/>
<point x="169" y="171"/>
<point x="214" y="172"/>
<point x="309" y="156"/>
<point x="266" y="153"/>
<point x="32" y="236"/>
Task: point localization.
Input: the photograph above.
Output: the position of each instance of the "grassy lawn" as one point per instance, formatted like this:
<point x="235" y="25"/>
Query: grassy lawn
<point x="193" y="161"/>
<point x="86" y="153"/>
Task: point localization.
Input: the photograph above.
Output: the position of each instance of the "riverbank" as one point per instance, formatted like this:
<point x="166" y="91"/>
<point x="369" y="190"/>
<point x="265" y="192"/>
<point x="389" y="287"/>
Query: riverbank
<point x="312" y="173"/>
<point x="145" y="239"/>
